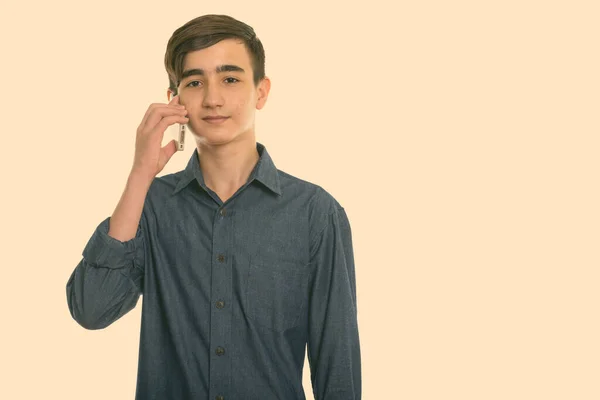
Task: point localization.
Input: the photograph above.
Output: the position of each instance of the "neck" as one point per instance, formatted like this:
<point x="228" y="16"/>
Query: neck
<point x="226" y="167"/>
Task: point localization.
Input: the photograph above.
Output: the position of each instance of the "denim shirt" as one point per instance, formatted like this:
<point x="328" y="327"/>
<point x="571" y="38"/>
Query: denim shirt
<point x="232" y="291"/>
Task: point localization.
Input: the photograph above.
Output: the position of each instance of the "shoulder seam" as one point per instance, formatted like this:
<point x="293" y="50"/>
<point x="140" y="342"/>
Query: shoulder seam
<point x="318" y="235"/>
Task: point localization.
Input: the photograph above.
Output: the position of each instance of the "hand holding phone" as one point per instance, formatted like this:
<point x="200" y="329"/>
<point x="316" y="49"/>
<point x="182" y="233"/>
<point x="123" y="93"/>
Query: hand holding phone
<point x="150" y="157"/>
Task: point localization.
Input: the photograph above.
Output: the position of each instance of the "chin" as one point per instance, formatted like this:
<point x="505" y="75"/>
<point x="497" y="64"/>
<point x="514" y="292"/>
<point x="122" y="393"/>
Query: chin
<point x="214" y="138"/>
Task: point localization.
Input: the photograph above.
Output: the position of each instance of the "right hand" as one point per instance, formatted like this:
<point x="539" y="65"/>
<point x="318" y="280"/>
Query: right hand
<point x="150" y="158"/>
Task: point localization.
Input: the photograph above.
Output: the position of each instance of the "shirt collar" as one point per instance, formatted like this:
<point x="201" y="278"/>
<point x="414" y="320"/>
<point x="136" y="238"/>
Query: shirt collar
<point x="264" y="171"/>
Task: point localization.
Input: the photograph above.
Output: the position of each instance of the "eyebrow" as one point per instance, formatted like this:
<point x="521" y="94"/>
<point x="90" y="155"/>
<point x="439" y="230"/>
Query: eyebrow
<point x="219" y="69"/>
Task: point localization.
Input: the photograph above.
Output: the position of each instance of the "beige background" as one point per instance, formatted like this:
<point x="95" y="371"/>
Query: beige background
<point x="461" y="137"/>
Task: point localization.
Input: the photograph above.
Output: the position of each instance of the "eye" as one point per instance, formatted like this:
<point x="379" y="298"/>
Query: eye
<point x="230" y="80"/>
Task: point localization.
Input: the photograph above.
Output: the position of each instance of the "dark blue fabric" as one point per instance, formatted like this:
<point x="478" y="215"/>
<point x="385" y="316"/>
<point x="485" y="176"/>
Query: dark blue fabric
<point x="232" y="292"/>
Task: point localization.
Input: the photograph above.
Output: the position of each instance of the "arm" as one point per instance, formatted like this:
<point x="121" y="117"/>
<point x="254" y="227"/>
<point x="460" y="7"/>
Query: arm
<point x="333" y="342"/>
<point x="108" y="281"/>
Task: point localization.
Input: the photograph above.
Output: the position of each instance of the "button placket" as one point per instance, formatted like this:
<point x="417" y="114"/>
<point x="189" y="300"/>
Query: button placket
<point x="220" y="334"/>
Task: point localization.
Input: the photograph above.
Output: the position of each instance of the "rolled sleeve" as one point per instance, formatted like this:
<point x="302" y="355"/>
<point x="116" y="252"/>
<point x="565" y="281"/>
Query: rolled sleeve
<point x="107" y="282"/>
<point x="333" y="342"/>
<point x="105" y="251"/>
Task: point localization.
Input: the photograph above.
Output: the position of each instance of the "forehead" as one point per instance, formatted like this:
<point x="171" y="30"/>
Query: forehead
<point x="228" y="51"/>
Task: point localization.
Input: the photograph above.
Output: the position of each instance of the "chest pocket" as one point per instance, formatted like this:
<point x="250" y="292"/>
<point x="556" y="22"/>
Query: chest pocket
<point x="276" y="293"/>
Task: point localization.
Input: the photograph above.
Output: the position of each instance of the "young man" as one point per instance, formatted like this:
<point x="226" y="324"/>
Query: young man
<point x="240" y="264"/>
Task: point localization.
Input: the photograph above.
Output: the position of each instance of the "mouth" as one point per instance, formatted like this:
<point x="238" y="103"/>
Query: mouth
<point x="215" y="120"/>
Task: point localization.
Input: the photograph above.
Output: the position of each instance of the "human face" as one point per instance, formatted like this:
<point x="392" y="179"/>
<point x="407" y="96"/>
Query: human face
<point x="218" y="81"/>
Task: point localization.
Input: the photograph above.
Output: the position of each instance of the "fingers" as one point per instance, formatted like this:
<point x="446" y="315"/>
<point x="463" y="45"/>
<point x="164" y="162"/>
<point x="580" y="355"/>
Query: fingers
<point x="174" y="101"/>
<point x="166" y="121"/>
<point x="169" y="149"/>
<point x="159" y="112"/>
<point x="173" y="104"/>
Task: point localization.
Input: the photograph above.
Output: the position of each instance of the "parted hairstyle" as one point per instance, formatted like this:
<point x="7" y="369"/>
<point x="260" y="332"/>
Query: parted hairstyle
<point x="205" y="31"/>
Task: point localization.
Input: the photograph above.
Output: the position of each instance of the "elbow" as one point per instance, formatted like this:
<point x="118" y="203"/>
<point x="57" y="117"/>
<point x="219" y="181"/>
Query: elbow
<point x="89" y="322"/>
<point x="85" y="317"/>
<point x="84" y="309"/>
<point x="92" y="314"/>
<point x="98" y="297"/>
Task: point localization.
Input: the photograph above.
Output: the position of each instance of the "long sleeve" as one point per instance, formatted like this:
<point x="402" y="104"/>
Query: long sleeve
<point x="333" y="342"/>
<point x="108" y="281"/>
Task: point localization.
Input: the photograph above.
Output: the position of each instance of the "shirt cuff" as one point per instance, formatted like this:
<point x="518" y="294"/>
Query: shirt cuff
<point x="103" y="250"/>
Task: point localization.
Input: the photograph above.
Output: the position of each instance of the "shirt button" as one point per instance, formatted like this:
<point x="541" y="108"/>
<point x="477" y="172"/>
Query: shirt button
<point x="220" y="398"/>
<point x="220" y="304"/>
<point x="220" y="351"/>
<point x="223" y="212"/>
<point x="221" y="258"/>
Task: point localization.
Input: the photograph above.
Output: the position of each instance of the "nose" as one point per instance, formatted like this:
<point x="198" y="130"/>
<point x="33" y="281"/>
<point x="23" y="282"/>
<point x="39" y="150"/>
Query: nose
<point x="212" y="96"/>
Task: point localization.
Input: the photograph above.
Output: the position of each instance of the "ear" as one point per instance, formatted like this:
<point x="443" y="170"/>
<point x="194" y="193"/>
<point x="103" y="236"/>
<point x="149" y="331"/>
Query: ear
<point x="170" y="95"/>
<point x="264" y="86"/>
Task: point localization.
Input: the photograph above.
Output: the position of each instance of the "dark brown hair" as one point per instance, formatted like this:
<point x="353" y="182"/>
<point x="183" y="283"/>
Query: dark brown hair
<point x="205" y="31"/>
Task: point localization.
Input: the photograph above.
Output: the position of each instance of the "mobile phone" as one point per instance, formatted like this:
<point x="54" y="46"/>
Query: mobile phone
<point x="181" y="137"/>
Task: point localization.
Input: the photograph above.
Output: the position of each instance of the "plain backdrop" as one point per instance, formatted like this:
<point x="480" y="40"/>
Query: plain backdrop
<point x="461" y="137"/>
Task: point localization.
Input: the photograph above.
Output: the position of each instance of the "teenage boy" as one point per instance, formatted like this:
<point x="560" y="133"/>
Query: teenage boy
<point x="240" y="264"/>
